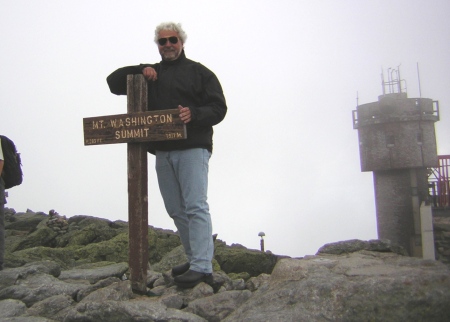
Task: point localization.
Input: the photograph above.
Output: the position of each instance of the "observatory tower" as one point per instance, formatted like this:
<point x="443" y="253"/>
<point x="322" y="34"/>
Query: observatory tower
<point x="397" y="142"/>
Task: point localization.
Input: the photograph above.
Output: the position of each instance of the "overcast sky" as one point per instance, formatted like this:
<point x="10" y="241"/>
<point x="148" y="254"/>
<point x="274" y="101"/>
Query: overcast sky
<point x="286" y="158"/>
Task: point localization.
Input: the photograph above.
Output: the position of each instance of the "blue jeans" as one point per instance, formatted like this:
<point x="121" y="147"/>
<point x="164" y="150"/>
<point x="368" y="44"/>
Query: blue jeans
<point x="183" y="182"/>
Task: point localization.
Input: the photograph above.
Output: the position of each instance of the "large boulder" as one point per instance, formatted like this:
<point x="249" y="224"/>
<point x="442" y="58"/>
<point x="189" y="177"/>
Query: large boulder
<point x="43" y="236"/>
<point x="11" y="308"/>
<point x="113" y="250"/>
<point x="354" y="245"/>
<point x="141" y="309"/>
<point x="10" y="277"/>
<point x="22" y="221"/>
<point x="85" y="230"/>
<point x="359" y="286"/>
<point x="238" y="259"/>
<point x="37" y="287"/>
<point x="160" y="243"/>
<point x="94" y="275"/>
<point x="54" y="308"/>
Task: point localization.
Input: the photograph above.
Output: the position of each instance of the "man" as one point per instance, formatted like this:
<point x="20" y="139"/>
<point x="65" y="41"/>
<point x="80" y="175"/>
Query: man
<point x="182" y="165"/>
<point x="2" y="210"/>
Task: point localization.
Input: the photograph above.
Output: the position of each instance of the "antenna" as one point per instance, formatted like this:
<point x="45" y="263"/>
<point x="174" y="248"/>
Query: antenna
<point x="399" y="85"/>
<point x="418" y="76"/>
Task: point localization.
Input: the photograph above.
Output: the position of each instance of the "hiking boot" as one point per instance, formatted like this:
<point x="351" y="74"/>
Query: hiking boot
<point x="180" y="269"/>
<point x="192" y="278"/>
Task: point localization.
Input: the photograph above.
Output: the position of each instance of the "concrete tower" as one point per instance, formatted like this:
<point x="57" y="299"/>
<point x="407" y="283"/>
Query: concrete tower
<point x="397" y="142"/>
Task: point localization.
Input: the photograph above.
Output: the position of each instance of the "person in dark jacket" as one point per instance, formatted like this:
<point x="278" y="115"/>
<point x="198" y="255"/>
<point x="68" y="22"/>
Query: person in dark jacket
<point x="2" y="210"/>
<point x="182" y="165"/>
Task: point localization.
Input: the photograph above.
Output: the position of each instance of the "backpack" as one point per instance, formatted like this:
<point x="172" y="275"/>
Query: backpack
<point x="12" y="167"/>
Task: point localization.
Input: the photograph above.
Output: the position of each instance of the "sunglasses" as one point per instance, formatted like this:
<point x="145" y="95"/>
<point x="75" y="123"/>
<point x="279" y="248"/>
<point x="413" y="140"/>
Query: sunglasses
<point x="162" y="41"/>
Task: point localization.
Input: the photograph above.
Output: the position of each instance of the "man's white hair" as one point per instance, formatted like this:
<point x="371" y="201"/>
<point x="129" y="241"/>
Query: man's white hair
<point x="170" y="26"/>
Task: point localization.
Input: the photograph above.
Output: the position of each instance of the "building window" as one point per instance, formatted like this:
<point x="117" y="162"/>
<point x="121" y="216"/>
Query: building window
<point x="419" y="137"/>
<point x="390" y="140"/>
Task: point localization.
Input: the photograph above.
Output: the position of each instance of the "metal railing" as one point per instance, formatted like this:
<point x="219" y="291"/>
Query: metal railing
<point x="439" y="183"/>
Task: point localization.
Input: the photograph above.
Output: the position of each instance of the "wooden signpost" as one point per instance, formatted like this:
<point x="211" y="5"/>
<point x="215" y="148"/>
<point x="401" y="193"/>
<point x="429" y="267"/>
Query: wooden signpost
<point x="135" y="128"/>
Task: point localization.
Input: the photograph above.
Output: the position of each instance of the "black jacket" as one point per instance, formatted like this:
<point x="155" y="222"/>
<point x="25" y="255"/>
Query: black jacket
<point x="180" y="82"/>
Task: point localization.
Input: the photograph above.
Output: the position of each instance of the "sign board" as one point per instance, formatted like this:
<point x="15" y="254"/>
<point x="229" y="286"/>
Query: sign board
<point x="159" y="125"/>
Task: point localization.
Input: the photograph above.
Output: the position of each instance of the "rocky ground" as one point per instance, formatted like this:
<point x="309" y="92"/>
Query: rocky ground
<point x="76" y="269"/>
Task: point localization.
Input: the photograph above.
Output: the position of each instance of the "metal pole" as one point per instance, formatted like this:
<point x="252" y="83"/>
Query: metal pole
<point x="418" y="76"/>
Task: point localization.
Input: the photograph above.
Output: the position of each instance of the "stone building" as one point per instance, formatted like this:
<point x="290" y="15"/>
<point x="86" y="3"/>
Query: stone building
<point x="397" y="142"/>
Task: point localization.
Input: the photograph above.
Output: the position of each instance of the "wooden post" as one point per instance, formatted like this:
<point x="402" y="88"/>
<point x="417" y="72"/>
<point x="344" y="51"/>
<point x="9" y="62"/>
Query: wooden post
<point x="136" y="128"/>
<point x="137" y="191"/>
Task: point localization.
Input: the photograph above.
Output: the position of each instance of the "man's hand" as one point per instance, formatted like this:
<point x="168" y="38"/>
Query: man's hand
<point x="150" y="73"/>
<point x="185" y="114"/>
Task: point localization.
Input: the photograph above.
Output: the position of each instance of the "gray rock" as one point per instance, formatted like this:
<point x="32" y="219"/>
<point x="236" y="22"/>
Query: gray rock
<point x="37" y="287"/>
<point x="85" y="230"/>
<point x="199" y="291"/>
<point x="243" y="275"/>
<point x="140" y="309"/>
<point x="95" y="274"/>
<point x="9" y="277"/>
<point x="159" y="290"/>
<point x="153" y="277"/>
<point x="173" y="301"/>
<point x="119" y="291"/>
<point x="238" y="284"/>
<point x="216" y="307"/>
<point x="27" y="319"/>
<point x="354" y="245"/>
<point x="55" y="307"/>
<point x="11" y="308"/>
<point x="360" y="286"/>
<point x="100" y="284"/>
<point x="160" y="281"/>
<point x="44" y="236"/>
<point x="238" y="259"/>
<point x="171" y="259"/>
<point x="24" y="221"/>
<point x="255" y="283"/>
<point x="220" y="279"/>
<point x="161" y="242"/>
